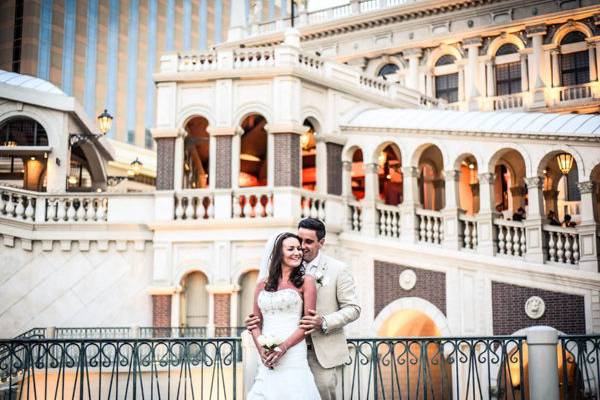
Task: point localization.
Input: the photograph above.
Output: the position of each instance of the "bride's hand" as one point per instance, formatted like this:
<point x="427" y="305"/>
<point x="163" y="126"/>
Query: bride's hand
<point x="264" y="355"/>
<point x="274" y="356"/>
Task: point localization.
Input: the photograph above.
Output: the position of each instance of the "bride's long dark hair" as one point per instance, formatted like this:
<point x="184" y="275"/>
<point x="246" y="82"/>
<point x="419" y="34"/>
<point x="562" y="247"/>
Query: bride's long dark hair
<point x="297" y="275"/>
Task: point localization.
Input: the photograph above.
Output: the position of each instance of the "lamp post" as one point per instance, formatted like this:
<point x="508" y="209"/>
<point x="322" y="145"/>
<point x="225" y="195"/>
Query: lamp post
<point x="135" y="167"/>
<point x="105" y="123"/>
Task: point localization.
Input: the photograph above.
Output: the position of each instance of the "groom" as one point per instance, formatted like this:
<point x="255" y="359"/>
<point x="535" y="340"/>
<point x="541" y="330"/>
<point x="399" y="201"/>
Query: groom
<point x="337" y="306"/>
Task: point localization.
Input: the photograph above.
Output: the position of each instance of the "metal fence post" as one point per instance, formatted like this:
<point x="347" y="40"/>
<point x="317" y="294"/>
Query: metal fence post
<point x="543" y="363"/>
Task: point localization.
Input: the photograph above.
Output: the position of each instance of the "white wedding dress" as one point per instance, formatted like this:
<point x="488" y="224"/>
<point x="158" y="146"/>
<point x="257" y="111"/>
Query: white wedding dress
<point x="291" y="378"/>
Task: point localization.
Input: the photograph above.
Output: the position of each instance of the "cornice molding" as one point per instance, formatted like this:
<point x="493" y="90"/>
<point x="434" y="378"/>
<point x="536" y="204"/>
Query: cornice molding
<point x="494" y="135"/>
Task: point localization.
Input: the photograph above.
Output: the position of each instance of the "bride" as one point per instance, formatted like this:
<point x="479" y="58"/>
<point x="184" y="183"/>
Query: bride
<point x="279" y="301"/>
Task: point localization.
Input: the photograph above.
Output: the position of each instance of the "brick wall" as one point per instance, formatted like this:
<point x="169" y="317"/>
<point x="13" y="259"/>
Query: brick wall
<point x="165" y="163"/>
<point x="222" y="309"/>
<point x="287" y="159"/>
<point x="431" y="285"/>
<point x="564" y="312"/>
<point x="334" y="168"/>
<point x="161" y="310"/>
<point x="223" y="162"/>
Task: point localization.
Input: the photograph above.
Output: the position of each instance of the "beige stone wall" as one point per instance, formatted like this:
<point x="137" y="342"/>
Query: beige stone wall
<point x="41" y="288"/>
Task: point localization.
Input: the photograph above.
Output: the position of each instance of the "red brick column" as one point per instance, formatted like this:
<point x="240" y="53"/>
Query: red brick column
<point x="222" y="304"/>
<point x="161" y="310"/>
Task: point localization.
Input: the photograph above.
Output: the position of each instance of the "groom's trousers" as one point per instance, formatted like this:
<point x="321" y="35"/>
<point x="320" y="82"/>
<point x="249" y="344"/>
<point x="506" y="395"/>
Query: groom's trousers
<point x="327" y="379"/>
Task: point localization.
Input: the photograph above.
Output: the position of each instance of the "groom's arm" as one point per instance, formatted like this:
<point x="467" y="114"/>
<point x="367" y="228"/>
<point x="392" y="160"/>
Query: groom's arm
<point x="349" y="310"/>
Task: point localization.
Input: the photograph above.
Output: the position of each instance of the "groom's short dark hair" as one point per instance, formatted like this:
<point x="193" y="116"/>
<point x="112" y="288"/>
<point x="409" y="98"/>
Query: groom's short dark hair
<point x="313" y="224"/>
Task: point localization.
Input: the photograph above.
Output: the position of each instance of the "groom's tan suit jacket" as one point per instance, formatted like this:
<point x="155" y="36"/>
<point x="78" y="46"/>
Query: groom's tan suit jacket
<point x="338" y="305"/>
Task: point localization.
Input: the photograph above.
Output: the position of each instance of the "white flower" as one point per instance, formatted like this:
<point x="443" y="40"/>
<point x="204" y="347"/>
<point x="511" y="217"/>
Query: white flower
<point x="318" y="275"/>
<point x="267" y="341"/>
<point x="325" y="281"/>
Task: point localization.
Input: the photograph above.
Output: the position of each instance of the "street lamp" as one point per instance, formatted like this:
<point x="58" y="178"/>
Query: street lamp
<point x="135" y="167"/>
<point x="565" y="162"/>
<point x="105" y="122"/>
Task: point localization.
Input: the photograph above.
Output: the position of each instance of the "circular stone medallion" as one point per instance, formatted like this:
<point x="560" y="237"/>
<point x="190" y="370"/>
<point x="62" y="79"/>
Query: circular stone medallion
<point x="407" y="279"/>
<point x="535" y="307"/>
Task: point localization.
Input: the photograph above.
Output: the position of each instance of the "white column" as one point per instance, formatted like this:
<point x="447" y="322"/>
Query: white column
<point x="410" y="191"/>
<point x="430" y="83"/>
<point x="472" y="92"/>
<point x="452" y="233"/>
<point x="461" y="82"/>
<point x="179" y="156"/>
<point x="233" y="306"/>
<point x="210" y="326"/>
<point x="490" y="78"/>
<point x="412" y="78"/>
<point x="534" y="220"/>
<point x="536" y="33"/>
<point x="321" y="165"/>
<point x="176" y="307"/>
<point x="347" y="179"/>
<point x="485" y="216"/>
<point x="598" y="59"/>
<point x="236" y="144"/>
<point x="555" y="68"/>
<point x="543" y="363"/>
<point x="592" y="62"/>
<point x="588" y="228"/>
<point x="524" y="73"/>
<point x="369" y="214"/>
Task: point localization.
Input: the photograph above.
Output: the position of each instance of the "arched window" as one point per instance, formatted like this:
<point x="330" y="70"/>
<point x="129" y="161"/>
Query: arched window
<point x="22" y="132"/>
<point x="196" y="162"/>
<point x="574" y="62"/>
<point x="308" y="145"/>
<point x="446" y="85"/>
<point x="253" y="152"/>
<point x="508" y="70"/>
<point x="446" y="59"/>
<point x="387" y="69"/>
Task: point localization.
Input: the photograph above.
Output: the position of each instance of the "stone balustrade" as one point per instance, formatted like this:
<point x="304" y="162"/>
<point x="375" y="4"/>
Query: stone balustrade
<point x="253" y="203"/>
<point x="313" y="205"/>
<point x="79" y="208"/>
<point x="468" y="227"/>
<point x="263" y="58"/>
<point x="510" y="237"/>
<point x="389" y="218"/>
<point x="563" y="244"/>
<point x="17" y="204"/>
<point x="507" y="102"/>
<point x="354" y="219"/>
<point x="194" y="204"/>
<point x="430" y="226"/>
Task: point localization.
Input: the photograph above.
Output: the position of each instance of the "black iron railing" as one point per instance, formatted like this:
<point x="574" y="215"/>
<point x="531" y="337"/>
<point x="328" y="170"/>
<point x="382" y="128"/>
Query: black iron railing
<point x="435" y="368"/>
<point x="580" y="375"/>
<point x="120" y="369"/>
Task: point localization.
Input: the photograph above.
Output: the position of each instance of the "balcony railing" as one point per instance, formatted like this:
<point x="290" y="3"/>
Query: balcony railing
<point x="120" y="368"/>
<point x="468" y="226"/>
<point x="256" y="202"/>
<point x="507" y="102"/>
<point x="494" y="367"/>
<point x="354" y="219"/>
<point x="510" y="236"/>
<point x="313" y="205"/>
<point x="563" y="244"/>
<point x="430" y="226"/>
<point x="577" y="93"/>
<point x="389" y="218"/>
<point x="194" y="204"/>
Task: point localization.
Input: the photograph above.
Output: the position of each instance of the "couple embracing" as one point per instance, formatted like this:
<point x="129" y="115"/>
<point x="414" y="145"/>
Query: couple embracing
<point x="302" y="302"/>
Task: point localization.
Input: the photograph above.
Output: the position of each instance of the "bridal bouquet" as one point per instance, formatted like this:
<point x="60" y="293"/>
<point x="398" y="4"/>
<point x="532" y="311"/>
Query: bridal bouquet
<point x="269" y="342"/>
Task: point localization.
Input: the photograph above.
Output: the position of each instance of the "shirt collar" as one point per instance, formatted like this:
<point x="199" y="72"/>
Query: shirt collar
<point x="315" y="262"/>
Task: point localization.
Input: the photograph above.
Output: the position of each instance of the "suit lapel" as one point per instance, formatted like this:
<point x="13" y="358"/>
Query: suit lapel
<point x="321" y="270"/>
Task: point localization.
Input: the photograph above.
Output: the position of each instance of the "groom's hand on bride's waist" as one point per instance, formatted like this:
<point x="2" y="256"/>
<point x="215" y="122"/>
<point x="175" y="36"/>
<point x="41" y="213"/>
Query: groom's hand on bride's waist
<point x="252" y="322"/>
<point x="311" y="322"/>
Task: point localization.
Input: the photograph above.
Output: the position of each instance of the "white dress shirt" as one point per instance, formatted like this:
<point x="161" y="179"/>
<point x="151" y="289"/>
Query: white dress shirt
<point x="311" y="267"/>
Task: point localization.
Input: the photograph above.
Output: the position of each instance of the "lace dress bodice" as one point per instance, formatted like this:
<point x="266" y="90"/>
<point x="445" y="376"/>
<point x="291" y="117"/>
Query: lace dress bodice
<point x="281" y="311"/>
